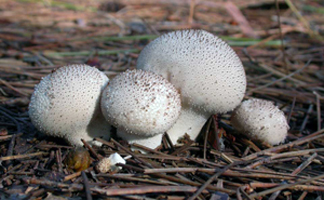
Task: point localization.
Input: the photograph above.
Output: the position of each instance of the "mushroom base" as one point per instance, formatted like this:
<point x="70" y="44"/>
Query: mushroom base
<point x="190" y="122"/>
<point x="147" y="141"/>
<point x="98" y="127"/>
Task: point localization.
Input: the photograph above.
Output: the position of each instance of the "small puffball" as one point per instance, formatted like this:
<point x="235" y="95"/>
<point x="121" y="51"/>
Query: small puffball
<point x="109" y="164"/>
<point x="66" y="104"/>
<point x="260" y="119"/>
<point x="142" y="103"/>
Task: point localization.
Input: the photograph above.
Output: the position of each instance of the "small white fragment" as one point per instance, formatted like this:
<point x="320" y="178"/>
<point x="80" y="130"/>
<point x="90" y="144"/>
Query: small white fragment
<point x="109" y="164"/>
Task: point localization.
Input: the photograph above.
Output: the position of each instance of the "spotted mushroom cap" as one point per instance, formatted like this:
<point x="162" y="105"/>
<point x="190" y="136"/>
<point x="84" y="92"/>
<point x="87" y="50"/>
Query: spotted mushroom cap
<point x="204" y="68"/>
<point x="260" y="119"/>
<point x="66" y="104"/>
<point x="140" y="102"/>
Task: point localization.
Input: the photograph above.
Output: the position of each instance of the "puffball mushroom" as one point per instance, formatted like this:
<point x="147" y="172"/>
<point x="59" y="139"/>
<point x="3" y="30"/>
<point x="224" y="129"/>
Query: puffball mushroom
<point x="66" y="104"/>
<point x="206" y="71"/>
<point x="142" y="105"/>
<point x="260" y="119"/>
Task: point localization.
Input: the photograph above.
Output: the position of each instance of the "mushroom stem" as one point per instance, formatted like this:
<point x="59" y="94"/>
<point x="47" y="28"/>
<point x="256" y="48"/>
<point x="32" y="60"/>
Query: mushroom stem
<point x="98" y="127"/>
<point x="190" y="121"/>
<point x="150" y="142"/>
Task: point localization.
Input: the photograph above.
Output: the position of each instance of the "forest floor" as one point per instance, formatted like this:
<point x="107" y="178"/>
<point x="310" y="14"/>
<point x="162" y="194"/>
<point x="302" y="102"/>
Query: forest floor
<point x="279" y="42"/>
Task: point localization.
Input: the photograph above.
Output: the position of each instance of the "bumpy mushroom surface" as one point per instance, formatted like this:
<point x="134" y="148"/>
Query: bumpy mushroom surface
<point x="206" y="71"/>
<point x="66" y="104"/>
<point x="141" y="104"/>
<point x="260" y="119"/>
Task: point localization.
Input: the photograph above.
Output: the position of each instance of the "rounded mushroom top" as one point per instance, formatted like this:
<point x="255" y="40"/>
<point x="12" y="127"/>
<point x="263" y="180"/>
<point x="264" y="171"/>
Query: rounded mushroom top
<point x="65" y="101"/>
<point x="204" y="68"/>
<point x="140" y="102"/>
<point x="260" y="119"/>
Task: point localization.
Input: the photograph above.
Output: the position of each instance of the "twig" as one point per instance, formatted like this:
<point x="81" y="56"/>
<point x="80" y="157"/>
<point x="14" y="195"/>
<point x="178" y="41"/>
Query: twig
<point x="211" y="179"/>
<point x="192" y="5"/>
<point x="105" y="142"/>
<point x="12" y="119"/>
<point x="131" y="153"/>
<point x="132" y="179"/>
<point x="59" y="159"/>
<point x="116" y="38"/>
<point x="278" y="73"/>
<point x="131" y="167"/>
<point x="296" y="171"/>
<point x="281" y="38"/>
<point x="178" y="170"/>
<point x="86" y="53"/>
<point x="291" y="110"/>
<point x="206" y="136"/>
<point x="146" y="149"/>
<point x="309" y="111"/>
<point x="145" y="190"/>
<point x="241" y="189"/>
<point x="86" y="185"/>
<point x="302" y="166"/>
<point x="281" y="79"/>
<point x="11" y="147"/>
<point x="285" y="186"/>
<point x="98" y="157"/>
<point x="153" y="151"/>
<point x="71" y="176"/>
<point x="183" y="148"/>
<point x="233" y="10"/>
<point x="300" y="17"/>
<point x="20" y="72"/>
<point x="231" y="173"/>
<point x="193" y="183"/>
<point x="282" y="155"/>
<point x="298" y="142"/>
<point x="13" y="88"/>
<point x="303" y="195"/>
<point x="318" y="109"/>
<point x="309" y="188"/>
<point x="7" y="137"/>
<point x="16" y="157"/>
<point x="45" y="182"/>
<point x="167" y="137"/>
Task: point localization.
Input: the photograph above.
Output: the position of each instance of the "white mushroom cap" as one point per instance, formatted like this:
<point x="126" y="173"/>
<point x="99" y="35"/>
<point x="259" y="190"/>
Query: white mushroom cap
<point x="260" y="119"/>
<point x="66" y="104"/>
<point x="206" y="71"/>
<point x="140" y="102"/>
<point x="109" y="163"/>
